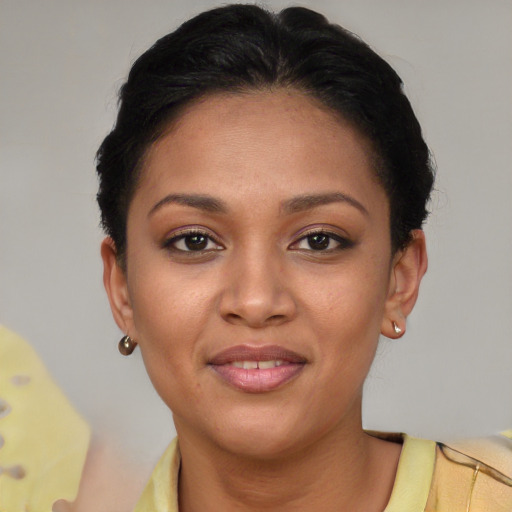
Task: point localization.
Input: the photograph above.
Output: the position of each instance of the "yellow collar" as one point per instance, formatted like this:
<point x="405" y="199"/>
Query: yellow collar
<point x="410" y="492"/>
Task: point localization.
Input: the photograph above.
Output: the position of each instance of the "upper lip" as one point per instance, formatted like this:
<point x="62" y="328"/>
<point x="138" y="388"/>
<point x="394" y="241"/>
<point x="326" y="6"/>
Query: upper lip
<point x="260" y="353"/>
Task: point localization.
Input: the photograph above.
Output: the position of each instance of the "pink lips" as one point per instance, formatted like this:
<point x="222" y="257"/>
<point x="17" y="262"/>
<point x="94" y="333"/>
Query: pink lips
<point x="278" y="366"/>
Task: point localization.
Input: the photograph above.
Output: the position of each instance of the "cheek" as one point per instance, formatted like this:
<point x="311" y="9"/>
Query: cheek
<point x="168" y="324"/>
<point x="168" y="316"/>
<point x="346" y="309"/>
<point x="168" y="303"/>
<point x="349" y="298"/>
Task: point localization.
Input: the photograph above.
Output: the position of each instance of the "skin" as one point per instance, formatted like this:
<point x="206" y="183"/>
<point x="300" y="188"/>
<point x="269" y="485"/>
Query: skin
<point x="259" y="281"/>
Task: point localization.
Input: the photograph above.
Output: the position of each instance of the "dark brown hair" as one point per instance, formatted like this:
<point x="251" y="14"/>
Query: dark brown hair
<point x="244" y="47"/>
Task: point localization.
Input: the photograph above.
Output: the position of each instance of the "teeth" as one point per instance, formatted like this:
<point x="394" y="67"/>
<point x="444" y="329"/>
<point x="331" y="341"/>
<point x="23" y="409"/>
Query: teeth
<point x="269" y="364"/>
<point x="253" y="365"/>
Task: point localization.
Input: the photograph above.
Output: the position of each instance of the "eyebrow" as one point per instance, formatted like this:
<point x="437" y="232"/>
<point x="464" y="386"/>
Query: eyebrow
<point x="201" y="202"/>
<point x="307" y="202"/>
<point x="294" y="205"/>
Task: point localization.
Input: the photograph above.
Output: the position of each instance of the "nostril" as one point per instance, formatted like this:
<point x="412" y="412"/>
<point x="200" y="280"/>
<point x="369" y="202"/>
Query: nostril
<point x="276" y="319"/>
<point x="256" y="300"/>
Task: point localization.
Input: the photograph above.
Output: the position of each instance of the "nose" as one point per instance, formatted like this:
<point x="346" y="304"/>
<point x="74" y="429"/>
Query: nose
<point x="255" y="292"/>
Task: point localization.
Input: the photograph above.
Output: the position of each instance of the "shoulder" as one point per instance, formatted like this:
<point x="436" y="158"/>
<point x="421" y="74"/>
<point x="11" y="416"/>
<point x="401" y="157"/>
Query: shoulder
<point x="473" y="475"/>
<point x="465" y="476"/>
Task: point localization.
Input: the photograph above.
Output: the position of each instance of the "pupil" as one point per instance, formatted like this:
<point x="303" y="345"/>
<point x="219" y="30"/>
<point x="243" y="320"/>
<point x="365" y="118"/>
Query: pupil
<point x="318" y="242"/>
<point x="196" y="242"/>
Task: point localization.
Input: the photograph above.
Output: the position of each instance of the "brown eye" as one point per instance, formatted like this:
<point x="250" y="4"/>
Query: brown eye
<point x="193" y="241"/>
<point x="322" y="241"/>
<point x="319" y="241"/>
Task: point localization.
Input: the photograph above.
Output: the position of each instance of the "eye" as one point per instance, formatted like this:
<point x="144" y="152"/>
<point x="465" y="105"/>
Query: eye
<point x="192" y="241"/>
<point x="322" y="241"/>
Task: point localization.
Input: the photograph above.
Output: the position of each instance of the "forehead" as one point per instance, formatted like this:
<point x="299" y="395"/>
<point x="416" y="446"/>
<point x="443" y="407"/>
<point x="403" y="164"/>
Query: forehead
<point x="274" y="142"/>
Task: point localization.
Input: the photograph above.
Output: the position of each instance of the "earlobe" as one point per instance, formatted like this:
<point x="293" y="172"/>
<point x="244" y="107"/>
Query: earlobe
<point x="409" y="267"/>
<point x="114" y="280"/>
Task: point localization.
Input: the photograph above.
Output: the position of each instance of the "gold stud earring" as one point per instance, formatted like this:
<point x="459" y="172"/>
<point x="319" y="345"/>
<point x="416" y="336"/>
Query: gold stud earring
<point x="126" y="345"/>
<point x="396" y="328"/>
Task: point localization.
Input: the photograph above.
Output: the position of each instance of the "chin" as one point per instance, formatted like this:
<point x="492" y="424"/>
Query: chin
<point x="263" y="437"/>
<point x="261" y="446"/>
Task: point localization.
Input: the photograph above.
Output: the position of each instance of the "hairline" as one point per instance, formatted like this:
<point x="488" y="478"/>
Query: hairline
<point x="171" y="122"/>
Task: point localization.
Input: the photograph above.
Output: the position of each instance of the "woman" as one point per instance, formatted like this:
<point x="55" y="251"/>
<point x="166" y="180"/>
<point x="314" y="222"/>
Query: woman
<point x="263" y="193"/>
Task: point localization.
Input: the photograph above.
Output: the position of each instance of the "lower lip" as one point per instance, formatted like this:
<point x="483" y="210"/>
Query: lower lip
<point x="258" y="380"/>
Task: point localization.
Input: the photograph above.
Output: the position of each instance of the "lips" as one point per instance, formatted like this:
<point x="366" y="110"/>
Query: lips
<point x="257" y="369"/>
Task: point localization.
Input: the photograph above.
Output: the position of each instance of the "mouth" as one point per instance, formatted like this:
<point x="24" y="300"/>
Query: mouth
<point x="257" y="369"/>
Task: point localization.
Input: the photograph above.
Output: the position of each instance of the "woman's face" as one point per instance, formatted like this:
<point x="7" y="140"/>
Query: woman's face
<point x="259" y="271"/>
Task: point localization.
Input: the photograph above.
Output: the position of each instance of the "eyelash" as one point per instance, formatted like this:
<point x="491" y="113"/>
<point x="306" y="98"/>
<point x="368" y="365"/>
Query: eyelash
<point x="343" y="243"/>
<point x="170" y="243"/>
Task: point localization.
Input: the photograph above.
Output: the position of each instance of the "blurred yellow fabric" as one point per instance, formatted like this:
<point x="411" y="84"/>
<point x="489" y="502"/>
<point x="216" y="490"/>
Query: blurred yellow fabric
<point x="43" y="441"/>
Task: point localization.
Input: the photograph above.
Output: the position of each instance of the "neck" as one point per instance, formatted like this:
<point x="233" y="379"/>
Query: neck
<point x="336" y="473"/>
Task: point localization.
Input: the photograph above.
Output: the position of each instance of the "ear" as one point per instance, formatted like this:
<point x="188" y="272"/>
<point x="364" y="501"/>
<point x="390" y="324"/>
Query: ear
<point x="409" y="267"/>
<point x="114" y="280"/>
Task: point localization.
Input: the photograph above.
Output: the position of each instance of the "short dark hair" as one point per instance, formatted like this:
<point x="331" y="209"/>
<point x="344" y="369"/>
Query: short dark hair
<point x="245" y="47"/>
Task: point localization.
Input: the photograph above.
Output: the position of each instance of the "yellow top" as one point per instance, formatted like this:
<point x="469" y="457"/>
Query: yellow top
<point x="43" y="441"/>
<point x="431" y="477"/>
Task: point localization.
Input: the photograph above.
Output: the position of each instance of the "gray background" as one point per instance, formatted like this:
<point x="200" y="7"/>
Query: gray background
<point x="61" y="63"/>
